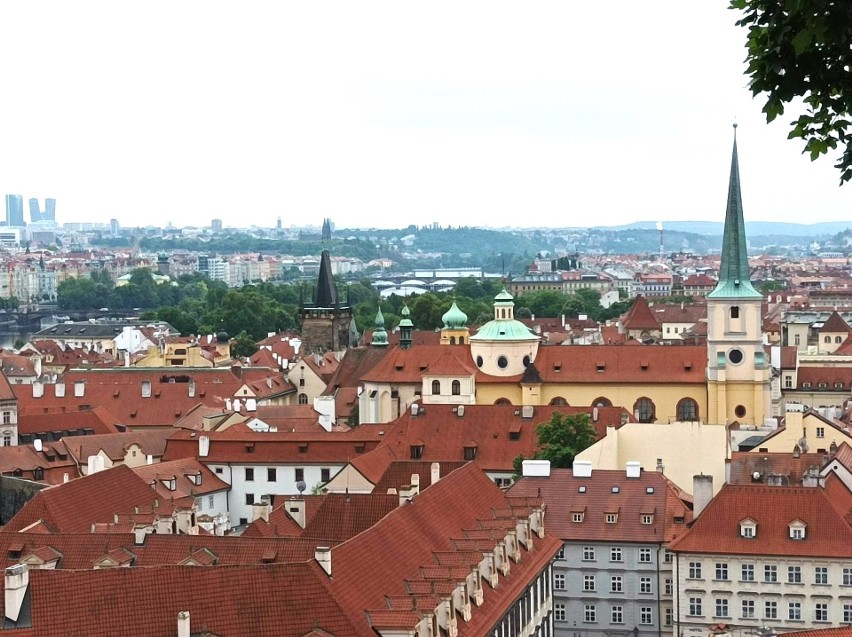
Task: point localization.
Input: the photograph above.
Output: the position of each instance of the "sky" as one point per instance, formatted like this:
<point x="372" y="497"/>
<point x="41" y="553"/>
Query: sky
<point x="384" y="114"/>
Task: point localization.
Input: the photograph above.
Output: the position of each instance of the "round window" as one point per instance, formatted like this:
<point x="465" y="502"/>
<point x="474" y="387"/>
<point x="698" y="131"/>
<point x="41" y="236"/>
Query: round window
<point x="479" y="361"/>
<point x="526" y="361"/>
<point x="502" y="362"/>
<point x="740" y="411"/>
<point x="735" y="356"/>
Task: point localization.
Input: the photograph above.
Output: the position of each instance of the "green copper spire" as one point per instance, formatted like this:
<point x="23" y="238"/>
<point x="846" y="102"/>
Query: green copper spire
<point x="734" y="280"/>
<point x="405" y="327"/>
<point x="380" y="335"/>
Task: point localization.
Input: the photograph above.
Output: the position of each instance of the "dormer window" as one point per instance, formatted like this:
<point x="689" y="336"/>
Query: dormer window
<point x="748" y="528"/>
<point x="797" y="530"/>
<point x="806" y="385"/>
<point x="416" y="452"/>
<point x="576" y="517"/>
<point x="647" y="518"/>
<point x="611" y="518"/>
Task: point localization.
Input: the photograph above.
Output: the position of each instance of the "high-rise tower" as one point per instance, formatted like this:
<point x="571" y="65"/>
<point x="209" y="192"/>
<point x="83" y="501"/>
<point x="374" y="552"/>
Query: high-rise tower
<point x="738" y="370"/>
<point x="15" y="211"/>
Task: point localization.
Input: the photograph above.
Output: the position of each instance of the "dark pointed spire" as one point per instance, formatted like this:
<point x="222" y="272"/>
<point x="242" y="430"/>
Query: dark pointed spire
<point x="734" y="278"/>
<point x="326" y="294"/>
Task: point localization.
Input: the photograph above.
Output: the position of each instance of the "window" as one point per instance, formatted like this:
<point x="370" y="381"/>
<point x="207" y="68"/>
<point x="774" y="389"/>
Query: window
<point x="249" y="474"/>
<point x="748" y="609"/>
<point x="735" y="311"/>
<point x="416" y="452"/>
<point x="721" y="571"/>
<point x="847" y="613"/>
<point x="299" y="475"/>
<point x="821" y="612"/>
<point x="644" y="409"/>
<point x="271" y="474"/>
<point x="303" y="399"/>
<point x="821" y="575"/>
<point x="695" y="606"/>
<point x="794" y="574"/>
<point x="748" y="573"/>
<point x="325" y="475"/>
<point x="589" y="555"/>
<point x="576" y="517"/>
<point x="7" y="440"/>
<point x="456" y="388"/>
<point x="559" y="612"/>
<point x="611" y="518"/>
<point x="788" y="382"/>
<point x="838" y="339"/>
<point x="617" y="615"/>
<point x="645" y="616"/>
<point x="210" y="502"/>
<point x="669" y="616"/>
<point x="249" y="498"/>
<point x="647" y="519"/>
<point x="668" y="556"/>
<point x="600" y="401"/>
<point x="590" y="613"/>
<point x="560" y="555"/>
<point x="794" y="611"/>
<point x="668" y="586"/>
<point x="820" y="432"/>
<point x="616" y="584"/>
<point x="615" y="554"/>
<point x="687" y="410"/>
<point x="797" y="531"/>
<point x="644" y="584"/>
<point x="770" y="573"/>
<point x="7" y="417"/>
<point x="502" y="362"/>
<point x="559" y="581"/>
<point x="436" y="387"/>
<point x="645" y="556"/>
<point x="695" y="570"/>
<point x="827" y="339"/>
<point x="770" y="610"/>
<point x="797" y="339"/>
<point x="722" y="607"/>
<point x="219" y="470"/>
<point x="847" y="576"/>
<point x="588" y="582"/>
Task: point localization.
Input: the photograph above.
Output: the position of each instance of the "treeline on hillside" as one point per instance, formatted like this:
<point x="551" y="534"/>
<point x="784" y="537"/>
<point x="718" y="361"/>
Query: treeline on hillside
<point x="243" y="243"/>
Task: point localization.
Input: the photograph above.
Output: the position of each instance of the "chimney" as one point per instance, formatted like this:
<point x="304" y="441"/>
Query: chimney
<point x="435" y="470"/>
<point x="203" y="446"/>
<point x="65" y="477"/>
<point x="192" y="388"/>
<point x="59" y="389"/>
<point x="702" y="493"/>
<point x="634" y="469"/>
<point x="183" y="624"/>
<point x="149" y="459"/>
<point x="582" y="468"/>
<point x="38" y="389"/>
<point x="296" y="510"/>
<point x="536" y="468"/>
<point x="261" y="510"/>
<point x="415" y="484"/>
<point x="251" y="404"/>
<point x="126" y="358"/>
<point x="17" y="579"/>
<point x="323" y="557"/>
<point x="624" y="418"/>
<point x="595" y="414"/>
<point x="79" y="388"/>
<point x="660" y="466"/>
<point x="227" y="404"/>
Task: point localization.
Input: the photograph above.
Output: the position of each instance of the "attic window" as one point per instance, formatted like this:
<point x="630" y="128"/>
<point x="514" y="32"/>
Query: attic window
<point x="398" y="367"/>
<point x="15" y="549"/>
<point x="303" y="448"/>
<point x="557" y="367"/>
<point x="647" y="518"/>
<point x="748" y="529"/>
<point x="359" y="448"/>
<point x="615" y="489"/>
<point x="611" y="518"/>
<point x="644" y="365"/>
<point x="838" y="385"/>
<point x="600" y="366"/>
<point x="416" y="452"/>
<point x="577" y="516"/>
<point x="806" y="385"/>
<point x="687" y="365"/>
<point x="581" y="489"/>
<point x="116" y="393"/>
<point x="250" y="448"/>
<point x="797" y="530"/>
<point x="649" y="490"/>
<point x="470" y="453"/>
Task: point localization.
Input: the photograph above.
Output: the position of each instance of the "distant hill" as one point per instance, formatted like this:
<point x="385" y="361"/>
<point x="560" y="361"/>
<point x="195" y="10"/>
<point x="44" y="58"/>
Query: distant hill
<point x="753" y="228"/>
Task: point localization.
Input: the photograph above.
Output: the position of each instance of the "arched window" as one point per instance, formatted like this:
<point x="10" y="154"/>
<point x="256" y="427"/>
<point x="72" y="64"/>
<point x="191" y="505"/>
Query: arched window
<point x="559" y="401"/>
<point x="502" y="401"/>
<point x="452" y="340"/>
<point x="644" y="410"/>
<point x="303" y="399"/>
<point x="456" y="388"/>
<point x="735" y="312"/>
<point x="827" y="339"/>
<point x="601" y="402"/>
<point x="461" y="340"/>
<point x="687" y="410"/>
<point x="838" y="339"/>
<point x="436" y="387"/>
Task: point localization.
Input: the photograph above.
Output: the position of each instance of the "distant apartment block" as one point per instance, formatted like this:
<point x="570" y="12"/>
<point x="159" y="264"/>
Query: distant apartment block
<point x="15" y="211"/>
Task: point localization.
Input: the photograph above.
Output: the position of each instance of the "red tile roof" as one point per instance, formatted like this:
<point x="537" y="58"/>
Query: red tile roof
<point x="828" y="533"/>
<point x="56" y="421"/>
<point x="191" y="478"/>
<point x="115" y="445"/>
<point x="743" y="466"/>
<point x="640" y="316"/>
<point x="835" y="323"/>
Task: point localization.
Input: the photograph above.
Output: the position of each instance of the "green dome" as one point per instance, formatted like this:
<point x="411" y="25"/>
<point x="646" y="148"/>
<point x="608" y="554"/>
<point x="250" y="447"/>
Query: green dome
<point x="454" y="318"/>
<point x="504" y="330"/>
<point x="504" y="296"/>
<point x="405" y="321"/>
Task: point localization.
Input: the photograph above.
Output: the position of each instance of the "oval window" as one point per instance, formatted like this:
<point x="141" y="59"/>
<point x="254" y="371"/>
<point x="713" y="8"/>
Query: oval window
<point x="502" y="362"/>
<point x="526" y="361"/>
<point x="735" y="356"/>
<point x="740" y="411"/>
<point x="479" y="361"/>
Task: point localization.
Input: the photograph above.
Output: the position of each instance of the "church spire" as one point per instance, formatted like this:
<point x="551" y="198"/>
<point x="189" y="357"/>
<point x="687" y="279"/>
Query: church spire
<point x="734" y="280"/>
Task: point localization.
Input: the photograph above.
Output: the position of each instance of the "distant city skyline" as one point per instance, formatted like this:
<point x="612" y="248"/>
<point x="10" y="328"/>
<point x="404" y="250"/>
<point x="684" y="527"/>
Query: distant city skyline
<point x="380" y="115"/>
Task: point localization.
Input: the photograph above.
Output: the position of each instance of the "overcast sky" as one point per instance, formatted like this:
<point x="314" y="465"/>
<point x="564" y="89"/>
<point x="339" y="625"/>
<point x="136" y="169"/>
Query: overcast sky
<point x="389" y="113"/>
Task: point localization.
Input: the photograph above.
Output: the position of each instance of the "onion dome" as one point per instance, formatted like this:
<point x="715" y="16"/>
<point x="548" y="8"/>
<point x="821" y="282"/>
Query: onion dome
<point x="454" y="318"/>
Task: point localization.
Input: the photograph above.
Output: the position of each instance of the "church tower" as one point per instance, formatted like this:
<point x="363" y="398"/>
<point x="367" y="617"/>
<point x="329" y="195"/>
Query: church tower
<point x="738" y="370"/>
<point x="325" y="321"/>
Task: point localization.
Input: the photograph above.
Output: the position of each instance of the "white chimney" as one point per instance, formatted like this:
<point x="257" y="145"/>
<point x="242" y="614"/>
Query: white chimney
<point x="634" y="469"/>
<point x="261" y="510"/>
<point x="191" y="388"/>
<point x="227" y="404"/>
<point x="203" y="446"/>
<point x="582" y="468"/>
<point x="94" y="464"/>
<point x="79" y="388"/>
<point x="322" y="556"/>
<point x="251" y="404"/>
<point x="38" y="389"/>
<point x="296" y="510"/>
<point x="237" y="404"/>
<point x="702" y="493"/>
<point x="536" y="468"/>
<point x="16" y="581"/>
<point x="37" y="444"/>
<point x="149" y="459"/>
<point x="595" y="414"/>
<point x="183" y="624"/>
<point x="59" y="389"/>
<point x="65" y="477"/>
<point x="435" y="472"/>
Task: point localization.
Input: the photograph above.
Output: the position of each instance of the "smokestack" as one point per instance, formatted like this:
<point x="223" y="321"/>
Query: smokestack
<point x="17" y="579"/>
<point x="323" y="557"/>
<point x="183" y="624"/>
<point x="203" y="446"/>
<point x="435" y="472"/>
<point x="702" y="493"/>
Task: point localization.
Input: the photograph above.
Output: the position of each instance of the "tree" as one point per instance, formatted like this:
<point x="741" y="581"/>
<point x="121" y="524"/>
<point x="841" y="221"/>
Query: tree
<point x="243" y="346"/>
<point x="800" y="49"/>
<point x="563" y="437"/>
